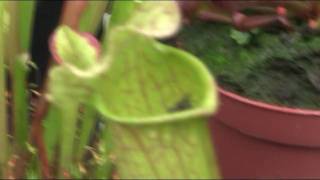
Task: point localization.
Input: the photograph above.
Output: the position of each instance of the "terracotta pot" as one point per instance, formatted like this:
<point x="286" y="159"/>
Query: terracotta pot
<point x="259" y="140"/>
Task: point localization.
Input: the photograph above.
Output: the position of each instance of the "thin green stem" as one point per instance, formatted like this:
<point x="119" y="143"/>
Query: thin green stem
<point x="12" y="37"/>
<point x="88" y="122"/>
<point x="25" y="19"/>
<point x="3" y="117"/>
<point x="20" y="100"/>
<point x="104" y="168"/>
<point x="68" y="132"/>
<point x="21" y="18"/>
<point x="52" y="123"/>
<point x="92" y="16"/>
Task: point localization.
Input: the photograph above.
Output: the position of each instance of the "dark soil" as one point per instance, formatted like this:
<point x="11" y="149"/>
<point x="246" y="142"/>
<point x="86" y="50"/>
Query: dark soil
<point x="269" y="65"/>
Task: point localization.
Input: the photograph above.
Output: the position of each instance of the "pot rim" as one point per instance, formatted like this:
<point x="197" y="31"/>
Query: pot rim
<point x="270" y="107"/>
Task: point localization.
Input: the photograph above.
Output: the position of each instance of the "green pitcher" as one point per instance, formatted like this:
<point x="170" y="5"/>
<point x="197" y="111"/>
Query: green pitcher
<point x="156" y="99"/>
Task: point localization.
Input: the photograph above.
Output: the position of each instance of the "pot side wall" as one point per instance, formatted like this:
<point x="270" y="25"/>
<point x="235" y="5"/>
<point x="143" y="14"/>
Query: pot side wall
<point x="258" y="140"/>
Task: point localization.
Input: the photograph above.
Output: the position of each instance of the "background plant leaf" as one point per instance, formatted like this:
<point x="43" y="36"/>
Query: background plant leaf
<point x="159" y="19"/>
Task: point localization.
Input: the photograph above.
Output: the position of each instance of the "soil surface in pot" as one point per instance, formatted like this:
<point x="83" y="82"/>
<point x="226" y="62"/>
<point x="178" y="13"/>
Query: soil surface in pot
<point x="270" y="65"/>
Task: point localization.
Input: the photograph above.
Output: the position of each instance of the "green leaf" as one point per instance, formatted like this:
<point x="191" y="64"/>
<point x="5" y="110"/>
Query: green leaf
<point x="241" y="38"/>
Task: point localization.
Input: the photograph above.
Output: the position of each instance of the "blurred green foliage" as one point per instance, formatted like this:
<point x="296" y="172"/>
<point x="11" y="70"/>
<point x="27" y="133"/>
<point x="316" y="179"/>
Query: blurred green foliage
<point x="272" y="67"/>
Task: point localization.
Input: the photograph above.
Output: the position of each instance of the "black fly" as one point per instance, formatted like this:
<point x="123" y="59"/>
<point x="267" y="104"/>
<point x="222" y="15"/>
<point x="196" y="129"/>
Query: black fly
<point x="183" y="104"/>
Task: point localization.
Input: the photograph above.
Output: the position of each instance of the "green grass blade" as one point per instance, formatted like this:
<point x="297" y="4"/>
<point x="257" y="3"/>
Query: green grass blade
<point x="26" y="11"/>
<point x="3" y="117"/>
